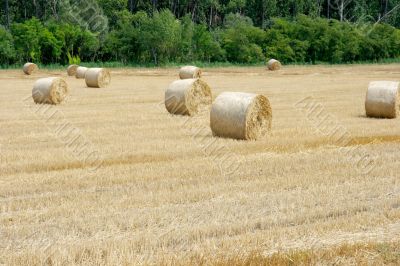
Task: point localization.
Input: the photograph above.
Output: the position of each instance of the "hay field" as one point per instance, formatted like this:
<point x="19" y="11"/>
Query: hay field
<point x="109" y="177"/>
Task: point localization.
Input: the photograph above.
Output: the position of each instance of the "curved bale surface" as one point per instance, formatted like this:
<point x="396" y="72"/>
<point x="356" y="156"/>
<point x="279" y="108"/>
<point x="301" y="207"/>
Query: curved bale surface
<point x="274" y="65"/>
<point x="29" y="68"/>
<point x="51" y="90"/>
<point x="190" y="72"/>
<point x="382" y="99"/>
<point x="186" y="96"/>
<point x="80" y="72"/>
<point x="97" y="77"/>
<point x="244" y="116"/>
<point x="71" y="70"/>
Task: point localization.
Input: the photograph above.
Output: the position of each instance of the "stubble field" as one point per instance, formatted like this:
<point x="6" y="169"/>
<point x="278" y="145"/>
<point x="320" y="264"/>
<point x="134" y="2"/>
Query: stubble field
<point x="109" y="177"/>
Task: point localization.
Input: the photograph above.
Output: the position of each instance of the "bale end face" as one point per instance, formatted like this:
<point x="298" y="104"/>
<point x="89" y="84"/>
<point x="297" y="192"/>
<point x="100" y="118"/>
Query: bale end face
<point x="71" y="70"/>
<point x="187" y="97"/>
<point x="243" y="116"/>
<point x="97" y="78"/>
<point x="274" y="65"/>
<point x="51" y="90"/>
<point x="259" y="118"/>
<point x="382" y="100"/>
<point x="30" y="68"/>
<point x="190" y="72"/>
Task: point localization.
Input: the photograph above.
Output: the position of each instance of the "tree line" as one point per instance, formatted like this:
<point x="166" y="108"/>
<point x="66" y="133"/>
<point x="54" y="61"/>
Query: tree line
<point x="162" y="31"/>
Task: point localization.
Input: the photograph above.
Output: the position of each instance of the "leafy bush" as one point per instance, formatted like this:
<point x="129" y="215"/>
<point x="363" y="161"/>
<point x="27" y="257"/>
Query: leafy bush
<point x="7" y="52"/>
<point x="205" y="45"/>
<point x="241" y="40"/>
<point x="73" y="59"/>
<point x="161" y="37"/>
<point x="313" y="40"/>
<point x="34" y="42"/>
<point x="27" y="39"/>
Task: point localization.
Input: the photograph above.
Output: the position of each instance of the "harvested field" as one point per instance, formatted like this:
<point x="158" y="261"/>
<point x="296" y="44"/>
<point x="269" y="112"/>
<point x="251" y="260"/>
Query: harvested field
<point x="110" y="177"/>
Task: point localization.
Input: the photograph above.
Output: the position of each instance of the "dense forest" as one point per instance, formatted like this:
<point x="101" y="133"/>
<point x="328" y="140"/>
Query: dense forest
<point x="162" y="31"/>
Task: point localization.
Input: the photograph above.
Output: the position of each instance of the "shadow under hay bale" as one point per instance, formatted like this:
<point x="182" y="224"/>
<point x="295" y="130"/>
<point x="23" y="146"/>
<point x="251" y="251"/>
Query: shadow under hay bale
<point x="51" y="90"/>
<point x="244" y="116"/>
<point x="382" y="100"/>
<point x="185" y="97"/>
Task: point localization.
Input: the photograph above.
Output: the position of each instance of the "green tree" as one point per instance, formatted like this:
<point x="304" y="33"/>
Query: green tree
<point x="206" y="47"/>
<point x="27" y="39"/>
<point x="242" y="40"/>
<point x="50" y="46"/>
<point x="186" y="51"/>
<point x="160" y="36"/>
<point x="112" y="9"/>
<point x="7" y="52"/>
<point x="34" y="42"/>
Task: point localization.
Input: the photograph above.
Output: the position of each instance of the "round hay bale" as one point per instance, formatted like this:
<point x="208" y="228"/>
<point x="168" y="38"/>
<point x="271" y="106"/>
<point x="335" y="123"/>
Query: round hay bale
<point x="186" y="96"/>
<point x="274" y="65"/>
<point x="97" y="77"/>
<point x="71" y="70"/>
<point x="239" y="115"/>
<point x="382" y="99"/>
<point x="190" y="72"/>
<point x="29" y="68"/>
<point x="51" y="90"/>
<point x="80" y="72"/>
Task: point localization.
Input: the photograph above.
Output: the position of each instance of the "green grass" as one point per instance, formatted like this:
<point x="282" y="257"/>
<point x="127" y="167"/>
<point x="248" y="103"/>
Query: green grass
<point x="200" y="64"/>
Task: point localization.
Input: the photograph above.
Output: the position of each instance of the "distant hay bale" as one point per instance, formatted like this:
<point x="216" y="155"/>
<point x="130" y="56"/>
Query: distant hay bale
<point x="274" y="65"/>
<point x="51" y="90"/>
<point x="239" y="115"/>
<point x="29" y="68"/>
<point x="382" y="99"/>
<point x="71" y="70"/>
<point x="186" y="96"/>
<point x="97" y="77"/>
<point x="80" y="72"/>
<point x="190" y="72"/>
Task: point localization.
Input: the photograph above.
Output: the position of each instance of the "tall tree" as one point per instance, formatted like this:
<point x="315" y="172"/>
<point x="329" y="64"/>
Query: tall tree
<point x="328" y="15"/>
<point x="7" y="11"/>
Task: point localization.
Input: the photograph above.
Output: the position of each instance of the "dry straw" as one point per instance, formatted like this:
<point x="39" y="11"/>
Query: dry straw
<point x="29" y="68"/>
<point x="80" y="72"/>
<point x="72" y="70"/>
<point x="274" y="65"/>
<point x="190" y="72"/>
<point x="97" y="77"/>
<point x="382" y="99"/>
<point x="241" y="116"/>
<point x="51" y="90"/>
<point x="187" y="96"/>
